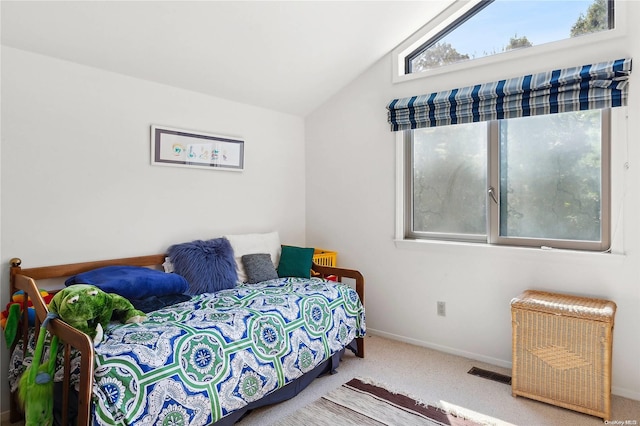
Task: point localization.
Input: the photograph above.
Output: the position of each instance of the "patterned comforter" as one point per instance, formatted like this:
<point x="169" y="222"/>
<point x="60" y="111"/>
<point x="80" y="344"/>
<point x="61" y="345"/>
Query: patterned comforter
<point x="195" y="362"/>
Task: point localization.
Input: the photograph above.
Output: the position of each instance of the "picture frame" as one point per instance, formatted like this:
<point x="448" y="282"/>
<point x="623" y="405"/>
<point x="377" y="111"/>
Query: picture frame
<point x="186" y="148"/>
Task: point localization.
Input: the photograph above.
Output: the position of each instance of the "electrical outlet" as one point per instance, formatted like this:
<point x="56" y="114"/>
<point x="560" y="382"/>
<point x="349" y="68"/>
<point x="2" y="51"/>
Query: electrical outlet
<point x="442" y="309"/>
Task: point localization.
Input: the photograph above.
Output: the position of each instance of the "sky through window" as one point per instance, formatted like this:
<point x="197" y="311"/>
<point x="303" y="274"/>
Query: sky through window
<point x="539" y="21"/>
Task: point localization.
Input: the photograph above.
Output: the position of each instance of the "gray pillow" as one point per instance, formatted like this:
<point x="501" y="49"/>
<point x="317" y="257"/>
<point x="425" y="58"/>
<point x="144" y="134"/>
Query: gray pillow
<point x="259" y="267"/>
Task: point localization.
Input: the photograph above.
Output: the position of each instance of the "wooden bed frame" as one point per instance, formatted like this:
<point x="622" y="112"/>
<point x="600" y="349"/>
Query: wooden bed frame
<point x="69" y="337"/>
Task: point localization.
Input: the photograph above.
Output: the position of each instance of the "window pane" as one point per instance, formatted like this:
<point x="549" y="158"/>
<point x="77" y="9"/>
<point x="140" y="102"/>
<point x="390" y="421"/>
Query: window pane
<point x="550" y="176"/>
<point x="507" y="25"/>
<point x="450" y="179"/>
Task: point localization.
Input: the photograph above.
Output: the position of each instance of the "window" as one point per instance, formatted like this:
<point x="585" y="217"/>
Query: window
<point x="448" y="182"/>
<point x="530" y="181"/>
<point x="523" y="161"/>
<point x="513" y="25"/>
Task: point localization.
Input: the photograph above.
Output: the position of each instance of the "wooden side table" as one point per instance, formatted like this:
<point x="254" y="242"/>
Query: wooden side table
<point x="562" y="350"/>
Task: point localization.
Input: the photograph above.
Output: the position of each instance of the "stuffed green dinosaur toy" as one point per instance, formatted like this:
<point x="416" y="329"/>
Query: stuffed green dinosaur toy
<point x="89" y="309"/>
<point x="86" y="308"/>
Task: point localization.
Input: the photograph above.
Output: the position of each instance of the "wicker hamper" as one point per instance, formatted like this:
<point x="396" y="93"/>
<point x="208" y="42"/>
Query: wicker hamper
<point x="562" y="350"/>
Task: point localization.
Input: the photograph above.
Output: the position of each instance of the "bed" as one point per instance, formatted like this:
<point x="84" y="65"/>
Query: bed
<point x="206" y="360"/>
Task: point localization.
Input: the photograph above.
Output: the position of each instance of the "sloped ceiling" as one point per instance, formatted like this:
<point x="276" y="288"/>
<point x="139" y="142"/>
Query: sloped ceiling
<point x="287" y="56"/>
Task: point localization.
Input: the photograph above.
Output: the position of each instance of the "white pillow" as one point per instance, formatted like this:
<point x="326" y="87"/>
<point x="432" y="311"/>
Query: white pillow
<point x="254" y="243"/>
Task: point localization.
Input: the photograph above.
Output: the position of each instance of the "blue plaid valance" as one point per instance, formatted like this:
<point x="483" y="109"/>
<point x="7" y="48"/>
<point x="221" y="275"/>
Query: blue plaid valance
<point x="600" y="85"/>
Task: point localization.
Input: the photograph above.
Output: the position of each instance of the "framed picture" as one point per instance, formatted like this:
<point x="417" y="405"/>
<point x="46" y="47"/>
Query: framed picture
<point x="185" y="148"/>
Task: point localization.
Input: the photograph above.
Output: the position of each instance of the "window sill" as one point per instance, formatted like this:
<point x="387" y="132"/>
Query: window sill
<point x="533" y="253"/>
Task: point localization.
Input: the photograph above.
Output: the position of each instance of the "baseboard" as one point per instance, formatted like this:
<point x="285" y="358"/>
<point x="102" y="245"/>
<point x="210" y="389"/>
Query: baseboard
<point x="625" y="393"/>
<point x="440" y="348"/>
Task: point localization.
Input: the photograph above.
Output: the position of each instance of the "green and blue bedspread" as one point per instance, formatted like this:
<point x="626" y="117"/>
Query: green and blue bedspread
<point x="197" y="361"/>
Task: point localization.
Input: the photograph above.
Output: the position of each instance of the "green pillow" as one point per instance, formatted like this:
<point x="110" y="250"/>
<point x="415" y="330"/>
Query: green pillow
<point x="295" y="262"/>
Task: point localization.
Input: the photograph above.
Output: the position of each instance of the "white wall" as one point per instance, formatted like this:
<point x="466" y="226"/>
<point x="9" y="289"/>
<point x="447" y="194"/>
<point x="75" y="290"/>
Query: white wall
<point x="351" y="180"/>
<point x="77" y="183"/>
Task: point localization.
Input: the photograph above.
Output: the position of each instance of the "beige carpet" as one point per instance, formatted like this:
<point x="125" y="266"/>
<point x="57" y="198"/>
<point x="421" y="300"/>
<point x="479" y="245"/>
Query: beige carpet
<point x="442" y="380"/>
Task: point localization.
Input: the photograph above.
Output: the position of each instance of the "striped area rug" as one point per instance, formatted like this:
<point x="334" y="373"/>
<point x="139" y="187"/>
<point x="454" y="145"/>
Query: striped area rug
<point x="361" y="403"/>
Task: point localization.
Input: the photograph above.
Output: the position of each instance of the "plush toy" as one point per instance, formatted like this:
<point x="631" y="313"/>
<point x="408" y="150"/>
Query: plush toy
<point x="11" y="316"/>
<point x="89" y="309"/>
<point x="10" y="320"/>
<point x="35" y="391"/>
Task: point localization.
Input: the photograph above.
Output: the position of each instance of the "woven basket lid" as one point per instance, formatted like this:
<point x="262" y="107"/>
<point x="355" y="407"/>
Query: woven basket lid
<point x="566" y="304"/>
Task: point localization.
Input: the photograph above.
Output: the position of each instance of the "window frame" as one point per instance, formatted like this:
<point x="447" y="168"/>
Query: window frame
<point x="449" y="28"/>
<point x="459" y="8"/>
<point x="492" y="236"/>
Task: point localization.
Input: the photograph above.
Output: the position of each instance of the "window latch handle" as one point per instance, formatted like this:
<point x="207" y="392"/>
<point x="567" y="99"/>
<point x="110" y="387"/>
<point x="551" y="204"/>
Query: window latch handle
<point x="492" y="192"/>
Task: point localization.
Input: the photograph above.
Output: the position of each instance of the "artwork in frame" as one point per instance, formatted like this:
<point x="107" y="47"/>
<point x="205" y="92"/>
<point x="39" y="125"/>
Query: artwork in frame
<point x="186" y="148"/>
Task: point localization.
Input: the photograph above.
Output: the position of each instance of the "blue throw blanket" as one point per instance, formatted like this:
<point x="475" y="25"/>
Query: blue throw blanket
<point x="132" y="282"/>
